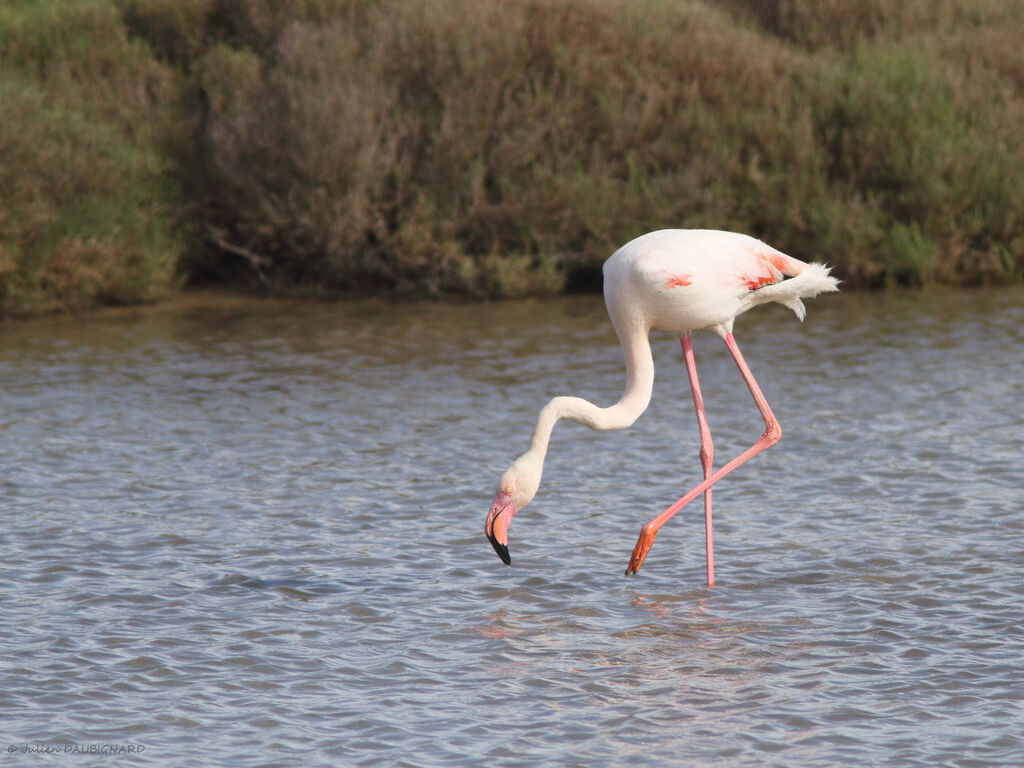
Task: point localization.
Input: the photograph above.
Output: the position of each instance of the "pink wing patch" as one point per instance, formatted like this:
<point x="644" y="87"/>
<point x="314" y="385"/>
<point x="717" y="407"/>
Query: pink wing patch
<point x="775" y="266"/>
<point x="754" y="283"/>
<point x="782" y="263"/>
<point x="677" y="281"/>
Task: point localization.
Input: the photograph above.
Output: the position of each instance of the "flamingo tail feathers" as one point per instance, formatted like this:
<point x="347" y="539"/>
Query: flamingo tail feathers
<point x="812" y="280"/>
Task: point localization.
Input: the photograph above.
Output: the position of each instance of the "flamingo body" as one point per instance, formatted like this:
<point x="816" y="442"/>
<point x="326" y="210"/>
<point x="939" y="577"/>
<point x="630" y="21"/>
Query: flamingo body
<point x="681" y="280"/>
<point x="675" y="280"/>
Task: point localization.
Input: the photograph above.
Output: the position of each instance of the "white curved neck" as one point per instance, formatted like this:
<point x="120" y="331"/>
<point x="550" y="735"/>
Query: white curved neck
<point x="636" y="349"/>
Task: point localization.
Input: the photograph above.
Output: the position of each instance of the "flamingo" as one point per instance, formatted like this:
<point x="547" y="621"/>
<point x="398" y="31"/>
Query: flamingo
<point x="677" y="280"/>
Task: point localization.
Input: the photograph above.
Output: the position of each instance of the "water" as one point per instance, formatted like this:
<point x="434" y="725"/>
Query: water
<point x="250" y="534"/>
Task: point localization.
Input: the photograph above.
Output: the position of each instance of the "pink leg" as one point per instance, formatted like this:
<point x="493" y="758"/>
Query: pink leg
<point x="772" y="433"/>
<point x="707" y="452"/>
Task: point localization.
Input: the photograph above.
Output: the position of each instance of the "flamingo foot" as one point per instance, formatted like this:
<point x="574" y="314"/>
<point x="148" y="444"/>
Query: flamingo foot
<point x="643" y="546"/>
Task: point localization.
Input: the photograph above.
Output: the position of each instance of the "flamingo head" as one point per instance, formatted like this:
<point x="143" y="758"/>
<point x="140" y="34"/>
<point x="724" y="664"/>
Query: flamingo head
<point x="515" y="490"/>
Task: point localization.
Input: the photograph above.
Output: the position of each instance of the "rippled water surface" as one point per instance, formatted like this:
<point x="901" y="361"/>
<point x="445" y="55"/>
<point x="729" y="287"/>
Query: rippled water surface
<point x="250" y="534"/>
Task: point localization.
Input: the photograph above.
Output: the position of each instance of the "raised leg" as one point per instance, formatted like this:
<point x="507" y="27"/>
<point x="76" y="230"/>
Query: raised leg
<point x="707" y="451"/>
<point x="772" y="433"/>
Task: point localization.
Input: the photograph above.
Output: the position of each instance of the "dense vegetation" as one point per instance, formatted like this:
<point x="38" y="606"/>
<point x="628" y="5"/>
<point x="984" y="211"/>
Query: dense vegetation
<point x="497" y="147"/>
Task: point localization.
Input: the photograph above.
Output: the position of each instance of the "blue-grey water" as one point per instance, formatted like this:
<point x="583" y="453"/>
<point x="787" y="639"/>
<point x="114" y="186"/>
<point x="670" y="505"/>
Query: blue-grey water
<point x="249" y="533"/>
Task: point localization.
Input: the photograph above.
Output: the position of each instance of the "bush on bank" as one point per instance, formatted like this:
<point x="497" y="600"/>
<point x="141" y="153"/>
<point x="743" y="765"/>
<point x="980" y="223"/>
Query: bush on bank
<point x="88" y="213"/>
<point x="500" y="148"/>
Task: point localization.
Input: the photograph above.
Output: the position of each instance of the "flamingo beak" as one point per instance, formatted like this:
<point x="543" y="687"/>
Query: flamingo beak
<point x="496" y="524"/>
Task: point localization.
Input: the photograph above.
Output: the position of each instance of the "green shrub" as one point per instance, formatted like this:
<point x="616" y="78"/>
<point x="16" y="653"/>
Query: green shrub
<point x="87" y="211"/>
<point x="936" y="187"/>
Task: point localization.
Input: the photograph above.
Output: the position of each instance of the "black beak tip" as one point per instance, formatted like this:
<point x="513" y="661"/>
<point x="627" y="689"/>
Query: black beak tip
<point x="501" y="549"/>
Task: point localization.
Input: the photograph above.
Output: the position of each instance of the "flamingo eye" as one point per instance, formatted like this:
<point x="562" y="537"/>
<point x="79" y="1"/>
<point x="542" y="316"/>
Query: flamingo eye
<point x="509" y="489"/>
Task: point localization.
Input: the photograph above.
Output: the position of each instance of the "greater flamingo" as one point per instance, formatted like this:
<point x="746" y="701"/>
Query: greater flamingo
<point x="675" y="280"/>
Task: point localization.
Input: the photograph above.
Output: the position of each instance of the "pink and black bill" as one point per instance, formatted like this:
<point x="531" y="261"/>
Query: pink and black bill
<point x="496" y="524"/>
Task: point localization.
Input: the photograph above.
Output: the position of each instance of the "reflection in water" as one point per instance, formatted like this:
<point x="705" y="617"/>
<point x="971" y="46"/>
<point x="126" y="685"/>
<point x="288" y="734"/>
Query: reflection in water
<point x="237" y="530"/>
